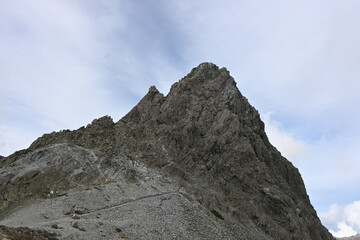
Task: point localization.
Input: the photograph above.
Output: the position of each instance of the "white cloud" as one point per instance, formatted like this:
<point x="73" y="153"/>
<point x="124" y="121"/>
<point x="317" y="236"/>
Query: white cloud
<point x="284" y="141"/>
<point x="342" y="220"/>
<point x="352" y="213"/>
<point x="344" y="230"/>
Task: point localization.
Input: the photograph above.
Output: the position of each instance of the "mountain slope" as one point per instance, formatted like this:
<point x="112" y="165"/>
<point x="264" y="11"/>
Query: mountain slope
<point x="204" y="138"/>
<point x="87" y="195"/>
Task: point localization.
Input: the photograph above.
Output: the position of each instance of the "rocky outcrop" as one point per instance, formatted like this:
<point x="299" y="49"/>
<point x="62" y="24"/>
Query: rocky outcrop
<point x="53" y="170"/>
<point x="205" y="138"/>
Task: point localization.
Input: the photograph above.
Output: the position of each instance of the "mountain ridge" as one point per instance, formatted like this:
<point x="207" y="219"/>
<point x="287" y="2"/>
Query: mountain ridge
<point x="208" y="140"/>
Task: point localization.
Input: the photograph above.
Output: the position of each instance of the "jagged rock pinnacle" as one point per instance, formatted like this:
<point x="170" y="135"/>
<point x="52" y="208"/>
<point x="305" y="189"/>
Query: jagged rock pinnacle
<point x="153" y="89"/>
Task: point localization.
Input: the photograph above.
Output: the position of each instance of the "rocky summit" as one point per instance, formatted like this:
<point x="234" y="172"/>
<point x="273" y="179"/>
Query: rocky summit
<point x="194" y="164"/>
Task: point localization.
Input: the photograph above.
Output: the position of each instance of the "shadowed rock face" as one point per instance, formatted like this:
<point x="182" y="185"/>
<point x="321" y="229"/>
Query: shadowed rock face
<point x="206" y="139"/>
<point x="25" y="234"/>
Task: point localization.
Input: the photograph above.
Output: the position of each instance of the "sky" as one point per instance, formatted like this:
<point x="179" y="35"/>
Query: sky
<point x="64" y="63"/>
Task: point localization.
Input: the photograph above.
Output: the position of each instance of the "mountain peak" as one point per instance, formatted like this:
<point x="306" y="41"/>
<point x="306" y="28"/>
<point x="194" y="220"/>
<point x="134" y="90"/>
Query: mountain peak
<point x="208" y="82"/>
<point x="198" y="155"/>
<point x="207" y="71"/>
<point x="153" y="89"/>
<point x="203" y="67"/>
<point x="205" y="87"/>
<point x="206" y="133"/>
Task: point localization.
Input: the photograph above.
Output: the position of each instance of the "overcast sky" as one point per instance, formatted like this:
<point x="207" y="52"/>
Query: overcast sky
<point x="64" y="63"/>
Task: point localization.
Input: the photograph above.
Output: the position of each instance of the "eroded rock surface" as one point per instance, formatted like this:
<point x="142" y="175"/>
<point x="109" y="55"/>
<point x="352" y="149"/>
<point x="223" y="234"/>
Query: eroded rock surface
<point x="195" y="164"/>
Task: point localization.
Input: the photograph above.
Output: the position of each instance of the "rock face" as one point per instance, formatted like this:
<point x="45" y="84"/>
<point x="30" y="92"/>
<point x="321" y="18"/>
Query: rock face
<point x="24" y="233"/>
<point x="195" y="164"/>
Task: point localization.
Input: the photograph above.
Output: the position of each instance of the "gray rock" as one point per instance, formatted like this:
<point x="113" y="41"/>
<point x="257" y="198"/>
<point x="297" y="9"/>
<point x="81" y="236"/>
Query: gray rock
<point x="153" y="209"/>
